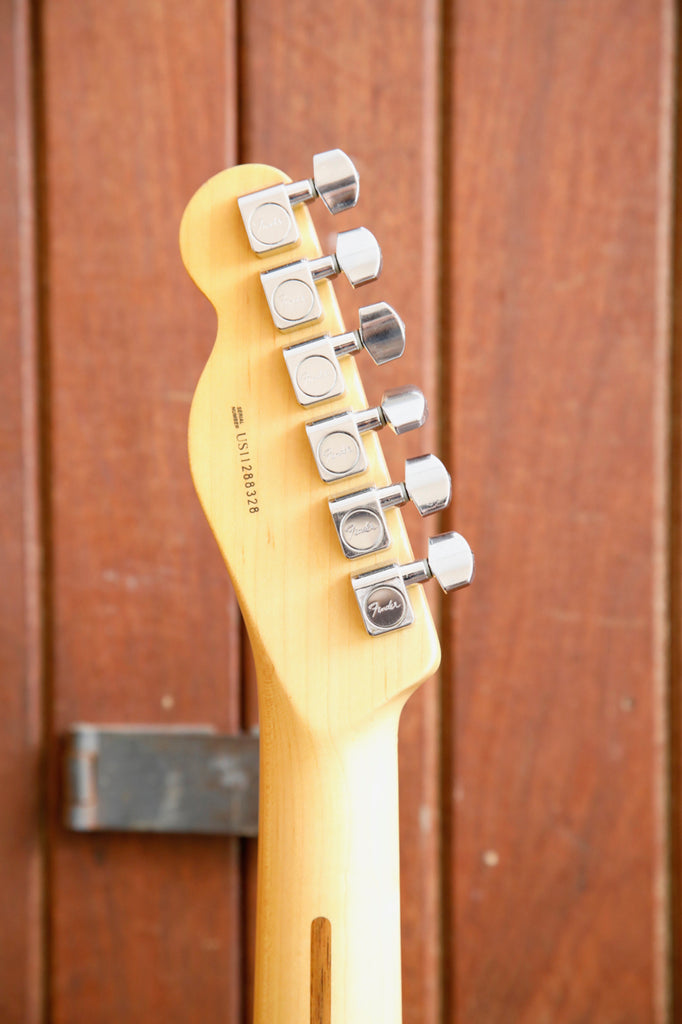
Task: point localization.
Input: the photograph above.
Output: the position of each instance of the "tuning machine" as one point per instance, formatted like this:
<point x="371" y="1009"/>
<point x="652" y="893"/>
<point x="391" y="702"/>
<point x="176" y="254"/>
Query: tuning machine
<point x="335" y="440"/>
<point x="359" y="517"/>
<point x="382" y="593"/>
<point x="314" y="365"/>
<point x="268" y="214"/>
<point x="290" y="290"/>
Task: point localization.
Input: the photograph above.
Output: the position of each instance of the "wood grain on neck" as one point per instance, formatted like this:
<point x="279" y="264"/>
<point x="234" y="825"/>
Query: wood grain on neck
<point x="328" y="848"/>
<point x="320" y="971"/>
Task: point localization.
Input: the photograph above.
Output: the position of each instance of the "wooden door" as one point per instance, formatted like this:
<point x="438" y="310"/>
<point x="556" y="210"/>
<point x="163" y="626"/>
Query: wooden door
<point x="517" y="163"/>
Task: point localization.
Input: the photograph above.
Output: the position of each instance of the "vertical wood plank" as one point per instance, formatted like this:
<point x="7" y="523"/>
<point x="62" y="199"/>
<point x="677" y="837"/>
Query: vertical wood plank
<point x="139" y="110"/>
<point x="560" y="184"/>
<point x="365" y="79"/>
<point x="675" y="571"/>
<point x="21" y="848"/>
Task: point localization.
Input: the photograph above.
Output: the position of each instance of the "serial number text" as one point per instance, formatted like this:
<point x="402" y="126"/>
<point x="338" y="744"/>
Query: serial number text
<point x="246" y="464"/>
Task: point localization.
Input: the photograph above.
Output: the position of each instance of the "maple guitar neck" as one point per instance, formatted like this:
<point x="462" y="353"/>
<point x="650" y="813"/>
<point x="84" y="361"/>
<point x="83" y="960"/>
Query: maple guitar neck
<point x="328" y="912"/>
<point x="330" y="689"/>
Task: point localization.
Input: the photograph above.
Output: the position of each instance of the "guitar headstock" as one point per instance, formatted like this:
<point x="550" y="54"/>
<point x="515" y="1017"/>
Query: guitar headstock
<point x="275" y="436"/>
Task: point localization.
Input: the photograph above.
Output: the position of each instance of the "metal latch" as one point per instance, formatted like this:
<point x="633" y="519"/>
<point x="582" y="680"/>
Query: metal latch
<point x="159" y="779"/>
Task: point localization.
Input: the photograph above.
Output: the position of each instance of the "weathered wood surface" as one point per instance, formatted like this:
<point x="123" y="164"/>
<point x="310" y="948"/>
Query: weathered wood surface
<point x="515" y="164"/>
<point x="675" y="578"/>
<point x="560" y="182"/>
<point x="21" y="785"/>
<point x="139" y="110"/>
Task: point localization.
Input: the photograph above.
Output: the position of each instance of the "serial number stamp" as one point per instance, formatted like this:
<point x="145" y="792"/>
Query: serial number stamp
<point x="245" y="460"/>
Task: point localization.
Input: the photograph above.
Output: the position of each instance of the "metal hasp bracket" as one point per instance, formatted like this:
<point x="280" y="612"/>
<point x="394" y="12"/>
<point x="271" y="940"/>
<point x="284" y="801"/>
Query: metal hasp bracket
<point x="145" y="779"/>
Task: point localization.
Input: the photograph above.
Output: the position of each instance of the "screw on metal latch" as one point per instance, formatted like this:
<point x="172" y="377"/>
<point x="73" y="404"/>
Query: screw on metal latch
<point x="268" y="214"/>
<point x="382" y="593"/>
<point x="290" y="290"/>
<point x="314" y="365"/>
<point x="359" y="517"/>
<point x="335" y="440"/>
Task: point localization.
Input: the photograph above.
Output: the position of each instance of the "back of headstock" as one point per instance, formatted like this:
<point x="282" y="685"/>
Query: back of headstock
<point x="289" y="469"/>
<point x="256" y="477"/>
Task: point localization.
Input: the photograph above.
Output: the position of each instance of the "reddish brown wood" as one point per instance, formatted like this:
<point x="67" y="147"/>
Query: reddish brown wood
<point x="249" y="846"/>
<point x="137" y="100"/>
<point x="556" y="217"/>
<point x="21" y="849"/>
<point x="321" y="971"/>
<point x="560" y="158"/>
<point x="313" y="80"/>
<point x="675" y="578"/>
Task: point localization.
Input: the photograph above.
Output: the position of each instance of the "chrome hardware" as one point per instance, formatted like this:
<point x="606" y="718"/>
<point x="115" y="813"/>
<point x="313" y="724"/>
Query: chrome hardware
<point x="268" y="214"/>
<point x="359" y="517"/>
<point x="314" y="365"/>
<point x="335" y="440"/>
<point x="146" y="778"/>
<point x="290" y="290"/>
<point x="382" y="593"/>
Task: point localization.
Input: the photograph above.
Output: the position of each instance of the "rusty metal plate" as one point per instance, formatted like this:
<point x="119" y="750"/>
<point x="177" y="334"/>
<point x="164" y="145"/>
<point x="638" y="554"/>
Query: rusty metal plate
<point x="145" y="779"/>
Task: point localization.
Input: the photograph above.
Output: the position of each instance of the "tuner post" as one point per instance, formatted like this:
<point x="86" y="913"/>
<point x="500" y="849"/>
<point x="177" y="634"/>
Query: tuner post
<point x="359" y="517"/>
<point x="268" y="214"/>
<point x="336" y="442"/>
<point x="314" y="365"/>
<point x="382" y="593"/>
<point x="291" y="291"/>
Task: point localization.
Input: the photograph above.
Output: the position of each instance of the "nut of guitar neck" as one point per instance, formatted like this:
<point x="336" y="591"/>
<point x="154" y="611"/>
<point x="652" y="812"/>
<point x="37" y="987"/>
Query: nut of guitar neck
<point x="382" y="593"/>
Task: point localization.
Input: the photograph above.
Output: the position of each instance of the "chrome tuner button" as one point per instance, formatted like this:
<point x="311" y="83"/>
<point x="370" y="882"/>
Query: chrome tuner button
<point x="314" y="365"/>
<point x="381" y="333"/>
<point x="291" y="292"/>
<point x="335" y="440"/>
<point x="359" y="517"/>
<point x="382" y="593"/>
<point x="336" y="180"/>
<point x="428" y="484"/>
<point x="404" y="409"/>
<point x="268" y="215"/>
<point x="358" y="256"/>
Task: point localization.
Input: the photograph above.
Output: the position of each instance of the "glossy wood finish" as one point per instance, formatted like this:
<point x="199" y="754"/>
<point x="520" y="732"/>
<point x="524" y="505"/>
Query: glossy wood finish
<point x="515" y="164"/>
